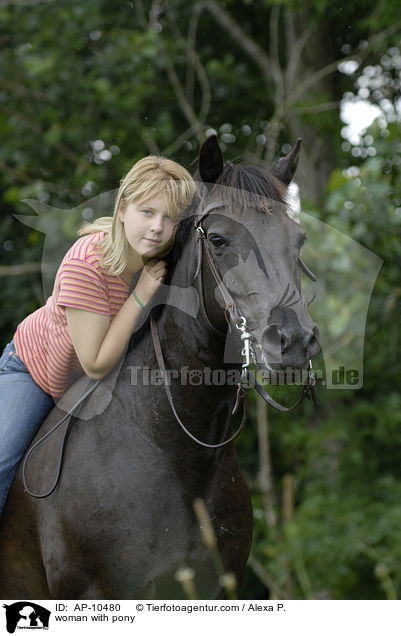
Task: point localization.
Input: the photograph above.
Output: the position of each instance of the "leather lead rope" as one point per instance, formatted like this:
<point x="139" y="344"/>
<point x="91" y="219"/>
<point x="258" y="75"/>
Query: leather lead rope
<point x="162" y="367"/>
<point x="69" y="415"/>
<point x="308" y="391"/>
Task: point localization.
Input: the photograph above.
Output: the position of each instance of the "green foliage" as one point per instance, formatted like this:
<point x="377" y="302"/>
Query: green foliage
<point x="335" y="543"/>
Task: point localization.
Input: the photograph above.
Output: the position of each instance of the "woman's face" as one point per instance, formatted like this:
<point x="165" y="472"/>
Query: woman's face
<point x="147" y="224"/>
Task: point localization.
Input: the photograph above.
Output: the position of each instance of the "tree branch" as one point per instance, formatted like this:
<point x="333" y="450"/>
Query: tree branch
<point x="30" y="125"/>
<point x="185" y="136"/>
<point x="313" y="79"/>
<point x="317" y="108"/>
<point x="266" y="579"/>
<point x="150" y="143"/>
<point x="254" y="51"/>
<point x="27" y="268"/>
<point x="23" y="91"/>
<point x="140" y="12"/>
<point x="154" y="13"/>
<point x="191" y="39"/>
<point x="180" y="94"/>
<point x="194" y="64"/>
<point x="265" y="477"/>
<point x="295" y="46"/>
<point x="274" y="55"/>
<point x="29" y="177"/>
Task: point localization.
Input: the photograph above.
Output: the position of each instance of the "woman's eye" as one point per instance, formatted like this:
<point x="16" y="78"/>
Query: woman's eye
<point x="147" y="212"/>
<point x="216" y="241"/>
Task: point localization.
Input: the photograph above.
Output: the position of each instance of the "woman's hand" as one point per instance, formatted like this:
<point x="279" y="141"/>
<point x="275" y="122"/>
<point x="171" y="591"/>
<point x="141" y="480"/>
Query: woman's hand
<point x="150" y="279"/>
<point x="98" y="342"/>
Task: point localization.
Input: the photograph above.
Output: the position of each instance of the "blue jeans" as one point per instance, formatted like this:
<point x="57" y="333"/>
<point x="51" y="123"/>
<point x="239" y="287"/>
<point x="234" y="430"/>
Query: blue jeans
<point x="23" y="407"/>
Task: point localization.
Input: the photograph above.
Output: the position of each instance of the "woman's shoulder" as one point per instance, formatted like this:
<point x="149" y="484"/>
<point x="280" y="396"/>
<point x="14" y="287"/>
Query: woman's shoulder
<point x="84" y="249"/>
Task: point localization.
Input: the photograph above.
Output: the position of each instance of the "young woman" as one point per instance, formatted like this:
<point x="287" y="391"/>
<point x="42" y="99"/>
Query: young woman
<point x="87" y="322"/>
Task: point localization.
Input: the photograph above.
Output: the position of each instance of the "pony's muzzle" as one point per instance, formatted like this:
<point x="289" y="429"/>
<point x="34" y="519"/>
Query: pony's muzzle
<point x="290" y="348"/>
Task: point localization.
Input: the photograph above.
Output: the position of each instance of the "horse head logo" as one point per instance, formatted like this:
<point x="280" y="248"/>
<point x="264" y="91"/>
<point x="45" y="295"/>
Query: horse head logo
<point x="26" y="614"/>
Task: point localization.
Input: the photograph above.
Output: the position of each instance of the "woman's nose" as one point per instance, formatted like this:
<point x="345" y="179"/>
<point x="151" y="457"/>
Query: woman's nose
<point x="157" y="224"/>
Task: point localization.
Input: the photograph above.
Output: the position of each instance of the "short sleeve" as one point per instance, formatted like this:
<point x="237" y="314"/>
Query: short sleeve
<point x="82" y="286"/>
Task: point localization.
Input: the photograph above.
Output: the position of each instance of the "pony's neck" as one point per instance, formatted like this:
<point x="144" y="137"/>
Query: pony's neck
<point x="183" y="318"/>
<point x="194" y="352"/>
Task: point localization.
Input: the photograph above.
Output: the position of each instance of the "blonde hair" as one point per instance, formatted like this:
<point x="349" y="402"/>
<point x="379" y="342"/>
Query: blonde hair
<point x="148" y="178"/>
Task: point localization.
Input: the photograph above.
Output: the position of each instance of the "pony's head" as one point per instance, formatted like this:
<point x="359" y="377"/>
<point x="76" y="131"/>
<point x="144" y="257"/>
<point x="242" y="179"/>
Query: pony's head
<point x="255" y="247"/>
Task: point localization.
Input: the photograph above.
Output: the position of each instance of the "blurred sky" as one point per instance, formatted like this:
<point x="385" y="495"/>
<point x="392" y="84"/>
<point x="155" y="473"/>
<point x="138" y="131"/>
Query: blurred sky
<point x="356" y="111"/>
<point x="358" y="115"/>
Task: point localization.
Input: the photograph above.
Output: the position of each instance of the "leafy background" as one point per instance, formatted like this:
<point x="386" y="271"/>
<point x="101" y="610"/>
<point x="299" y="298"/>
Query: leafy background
<point x="88" y="88"/>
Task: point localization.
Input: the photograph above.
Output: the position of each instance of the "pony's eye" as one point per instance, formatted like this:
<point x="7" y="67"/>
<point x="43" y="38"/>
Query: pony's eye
<point x="216" y="241"/>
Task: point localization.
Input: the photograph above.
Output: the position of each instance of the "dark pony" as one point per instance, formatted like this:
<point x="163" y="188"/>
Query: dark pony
<point x="121" y="522"/>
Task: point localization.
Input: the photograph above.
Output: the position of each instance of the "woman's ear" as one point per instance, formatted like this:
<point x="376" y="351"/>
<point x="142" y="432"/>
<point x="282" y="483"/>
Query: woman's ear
<point x="121" y="213"/>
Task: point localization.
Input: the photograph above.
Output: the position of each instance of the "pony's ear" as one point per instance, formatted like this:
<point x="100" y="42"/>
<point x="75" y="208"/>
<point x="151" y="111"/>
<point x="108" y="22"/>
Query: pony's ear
<point x="285" y="168"/>
<point x="210" y="160"/>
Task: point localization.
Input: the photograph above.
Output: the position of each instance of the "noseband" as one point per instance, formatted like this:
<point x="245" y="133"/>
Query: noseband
<point x="233" y="314"/>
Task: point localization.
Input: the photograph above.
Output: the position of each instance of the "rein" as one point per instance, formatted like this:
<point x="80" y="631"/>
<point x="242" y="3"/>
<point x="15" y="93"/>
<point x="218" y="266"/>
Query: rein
<point x="162" y="366"/>
<point x="68" y="416"/>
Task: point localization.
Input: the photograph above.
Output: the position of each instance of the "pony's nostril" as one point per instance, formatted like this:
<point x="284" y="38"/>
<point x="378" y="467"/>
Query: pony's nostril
<point x="271" y="337"/>
<point x="292" y="348"/>
<point x="274" y="339"/>
<point x="313" y="345"/>
<point x="316" y="334"/>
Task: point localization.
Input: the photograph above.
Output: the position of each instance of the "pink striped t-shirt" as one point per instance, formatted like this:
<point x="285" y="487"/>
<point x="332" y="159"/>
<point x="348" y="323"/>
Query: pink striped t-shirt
<point x="42" y="340"/>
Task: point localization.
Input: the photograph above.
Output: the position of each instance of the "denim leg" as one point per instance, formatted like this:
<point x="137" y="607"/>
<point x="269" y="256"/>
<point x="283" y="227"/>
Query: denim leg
<point x="23" y="407"/>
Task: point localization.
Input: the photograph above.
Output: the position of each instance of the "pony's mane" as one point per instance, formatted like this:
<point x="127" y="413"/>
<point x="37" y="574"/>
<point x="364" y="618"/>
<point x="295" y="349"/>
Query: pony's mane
<point x="241" y="183"/>
<point x="245" y="179"/>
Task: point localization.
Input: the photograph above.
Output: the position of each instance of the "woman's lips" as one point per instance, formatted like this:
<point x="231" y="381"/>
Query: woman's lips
<point x="153" y="241"/>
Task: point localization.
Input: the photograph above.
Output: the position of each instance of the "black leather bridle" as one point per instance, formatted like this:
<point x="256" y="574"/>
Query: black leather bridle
<point x="248" y="378"/>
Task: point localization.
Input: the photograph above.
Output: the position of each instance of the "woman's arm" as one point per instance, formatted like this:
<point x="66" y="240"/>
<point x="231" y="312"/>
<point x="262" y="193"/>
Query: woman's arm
<point x="99" y="343"/>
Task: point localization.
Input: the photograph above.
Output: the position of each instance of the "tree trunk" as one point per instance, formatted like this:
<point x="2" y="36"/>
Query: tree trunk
<point x="312" y="88"/>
